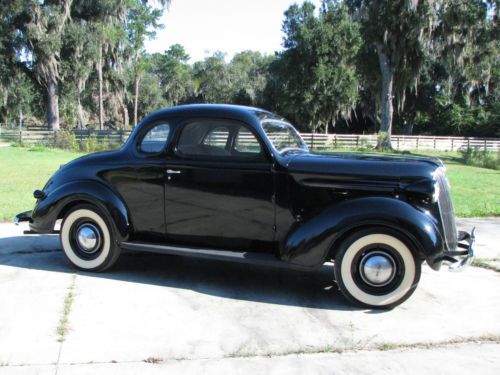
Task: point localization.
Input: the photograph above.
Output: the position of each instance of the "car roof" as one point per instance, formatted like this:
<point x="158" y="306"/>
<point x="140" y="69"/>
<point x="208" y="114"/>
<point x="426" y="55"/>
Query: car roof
<point x="237" y="112"/>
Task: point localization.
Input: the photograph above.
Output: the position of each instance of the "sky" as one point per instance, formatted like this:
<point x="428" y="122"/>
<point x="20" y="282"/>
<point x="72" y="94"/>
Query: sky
<point x="230" y="26"/>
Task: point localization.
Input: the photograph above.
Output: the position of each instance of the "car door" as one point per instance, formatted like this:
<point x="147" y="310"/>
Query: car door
<point x="219" y="187"/>
<point x="145" y="194"/>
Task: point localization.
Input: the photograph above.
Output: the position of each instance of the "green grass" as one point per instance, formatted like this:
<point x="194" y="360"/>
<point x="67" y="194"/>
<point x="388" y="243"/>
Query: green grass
<point x="475" y="191"/>
<point x="22" y="170"/>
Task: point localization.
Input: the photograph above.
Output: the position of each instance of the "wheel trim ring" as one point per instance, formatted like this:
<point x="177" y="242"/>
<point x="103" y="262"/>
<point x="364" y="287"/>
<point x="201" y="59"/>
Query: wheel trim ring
<point x="66" y="236"/>
<point x="370" y="299"/>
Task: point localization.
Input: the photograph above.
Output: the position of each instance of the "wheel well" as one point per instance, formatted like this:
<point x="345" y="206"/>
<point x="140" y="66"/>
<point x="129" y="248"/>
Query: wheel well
<point x="70" y="206"/>
<point x="415" y="247"/>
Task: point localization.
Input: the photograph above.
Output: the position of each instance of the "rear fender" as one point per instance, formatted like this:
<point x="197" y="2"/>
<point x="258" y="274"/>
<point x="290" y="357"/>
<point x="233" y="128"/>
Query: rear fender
<point x="48" y="210"/>
<point x="312" y="242"/>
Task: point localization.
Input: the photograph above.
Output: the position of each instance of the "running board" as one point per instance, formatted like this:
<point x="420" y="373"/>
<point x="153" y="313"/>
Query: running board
<point x="262" y="259"/>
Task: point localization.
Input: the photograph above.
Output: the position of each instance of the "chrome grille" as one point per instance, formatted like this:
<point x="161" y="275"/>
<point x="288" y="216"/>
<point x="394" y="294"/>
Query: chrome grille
<point x="446" y="211"/>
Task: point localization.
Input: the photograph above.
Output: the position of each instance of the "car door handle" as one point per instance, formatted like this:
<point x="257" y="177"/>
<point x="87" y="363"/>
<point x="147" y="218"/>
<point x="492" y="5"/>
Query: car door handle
<point x="172" y="171"/>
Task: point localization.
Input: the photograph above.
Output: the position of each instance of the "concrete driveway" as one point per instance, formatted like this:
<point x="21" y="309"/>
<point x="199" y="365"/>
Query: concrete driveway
<point x="154" y="314"/>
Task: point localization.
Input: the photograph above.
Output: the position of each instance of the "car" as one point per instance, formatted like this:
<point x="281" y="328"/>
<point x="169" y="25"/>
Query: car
<point x="239" y="184"/>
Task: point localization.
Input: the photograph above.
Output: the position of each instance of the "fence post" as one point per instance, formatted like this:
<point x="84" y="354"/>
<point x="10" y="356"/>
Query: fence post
<point x="21" y="136"/>
<point x="312" y="141"/>
<point x="434" y="143"/>
<point x="468" y="142"/>
<point x="398" y="142"/>
<point x="485" y="145"/>
<point x="417" y="141"/>
<point x="357" y="141"/>
<point x="452" y="141"/>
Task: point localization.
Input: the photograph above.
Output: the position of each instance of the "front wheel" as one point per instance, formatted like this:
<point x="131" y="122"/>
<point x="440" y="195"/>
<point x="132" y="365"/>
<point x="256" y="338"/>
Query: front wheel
<point x="375" y="268"/>
<point x="87" y="239"/>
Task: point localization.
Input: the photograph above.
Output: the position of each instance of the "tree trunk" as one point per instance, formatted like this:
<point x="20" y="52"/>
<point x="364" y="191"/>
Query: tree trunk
<point x="136" y="97"/>
<point x="386" y="105"/>
<point x="409" y="127"/>
<point x="125" y="115"/>
<point x="80" y="117"/>
<point x="53" y="104"/>
<point x="21" y="118"/>
<point x="101" y="104"/>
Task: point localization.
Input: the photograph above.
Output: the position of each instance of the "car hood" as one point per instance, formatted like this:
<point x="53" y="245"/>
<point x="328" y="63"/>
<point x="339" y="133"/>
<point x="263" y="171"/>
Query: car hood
<point x="363" y="165"/>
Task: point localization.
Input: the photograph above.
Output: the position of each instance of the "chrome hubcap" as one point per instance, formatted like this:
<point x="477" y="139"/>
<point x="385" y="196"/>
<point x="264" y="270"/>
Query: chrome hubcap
<point x="377" y="268"/>
<point x="88" y="238"/>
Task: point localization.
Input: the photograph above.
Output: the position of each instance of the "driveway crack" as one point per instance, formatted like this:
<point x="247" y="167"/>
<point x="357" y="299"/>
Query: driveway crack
<point x="62" y="328"/>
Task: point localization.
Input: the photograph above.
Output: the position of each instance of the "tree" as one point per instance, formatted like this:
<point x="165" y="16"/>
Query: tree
<point x="41" y="25"/>
<point x="250" y="72"/>
<point x="212" y="80"/>
<point x="173" y="74"/>
<point x="399" y="32"/>
<point x="315" y="78"/>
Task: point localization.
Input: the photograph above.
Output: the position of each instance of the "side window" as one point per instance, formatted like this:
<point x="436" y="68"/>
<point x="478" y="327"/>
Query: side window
<point x="218" y="138"/>
<point x="155" y="139"/>
<point x="204" y="138"/>
<point x="246" y="144"/>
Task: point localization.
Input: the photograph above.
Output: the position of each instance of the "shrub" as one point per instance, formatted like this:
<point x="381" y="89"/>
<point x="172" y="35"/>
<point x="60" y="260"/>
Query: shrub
<point x="66" y="140"/>
<point x="89" y="144"/>
<point x="481" y="158"/>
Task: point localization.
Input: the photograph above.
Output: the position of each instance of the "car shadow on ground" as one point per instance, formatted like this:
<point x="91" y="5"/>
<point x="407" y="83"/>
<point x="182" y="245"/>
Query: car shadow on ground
<point x="222" y="279"/>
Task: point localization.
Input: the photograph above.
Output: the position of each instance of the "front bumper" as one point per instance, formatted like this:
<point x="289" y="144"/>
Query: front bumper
<point x="23" y="216"/>
<point x="460" y="259"/>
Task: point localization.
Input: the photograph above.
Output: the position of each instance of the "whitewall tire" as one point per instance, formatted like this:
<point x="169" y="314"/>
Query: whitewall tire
<point x="375" y="268"/>
<point x="87" y="239"/>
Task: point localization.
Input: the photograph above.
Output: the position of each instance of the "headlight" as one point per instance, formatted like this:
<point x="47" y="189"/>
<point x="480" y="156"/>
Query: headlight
<point x="437" y="191"/>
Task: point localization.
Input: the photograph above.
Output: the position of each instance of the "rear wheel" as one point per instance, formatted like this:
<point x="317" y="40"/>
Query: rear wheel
<point x="87" y="239"/>
<point x="375" y="268"/>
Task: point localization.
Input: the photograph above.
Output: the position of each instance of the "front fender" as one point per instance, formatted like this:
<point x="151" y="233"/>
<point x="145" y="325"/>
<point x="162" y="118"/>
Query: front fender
<point x="310" y="243"/>
<point x="48" y="210"/>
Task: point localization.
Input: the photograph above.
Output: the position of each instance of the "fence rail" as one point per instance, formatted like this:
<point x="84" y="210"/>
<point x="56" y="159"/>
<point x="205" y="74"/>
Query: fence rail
<point x="318" y="142"/>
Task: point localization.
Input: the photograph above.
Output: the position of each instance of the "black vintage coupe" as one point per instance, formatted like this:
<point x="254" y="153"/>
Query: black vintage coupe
<point x="239" y="184"/>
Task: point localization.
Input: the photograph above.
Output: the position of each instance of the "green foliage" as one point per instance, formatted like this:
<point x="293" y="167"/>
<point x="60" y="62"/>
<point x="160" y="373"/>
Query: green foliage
<point x="383" y="141"/>
<point x="66" y="140"/>
<point x="481" y="158"/>
<point x="89" y="144"/>
<point x="315" y="81"/>
<point x="442" y="57"/>
<point x="38" y="149"/>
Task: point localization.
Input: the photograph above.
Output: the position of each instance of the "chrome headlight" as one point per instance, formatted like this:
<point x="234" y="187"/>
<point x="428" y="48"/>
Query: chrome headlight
<point x="437" y="191"/>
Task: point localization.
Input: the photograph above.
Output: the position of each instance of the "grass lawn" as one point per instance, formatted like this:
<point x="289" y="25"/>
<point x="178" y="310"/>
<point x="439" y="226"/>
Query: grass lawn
<point x="22" y="170"/>
<point x="475" y="191"/>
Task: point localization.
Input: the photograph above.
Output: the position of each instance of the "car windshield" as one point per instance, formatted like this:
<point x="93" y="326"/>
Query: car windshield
<point x="283" y="136"/>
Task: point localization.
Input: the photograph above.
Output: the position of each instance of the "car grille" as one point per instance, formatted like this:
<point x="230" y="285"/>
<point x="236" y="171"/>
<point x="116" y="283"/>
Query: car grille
<point x="446" y="211"/>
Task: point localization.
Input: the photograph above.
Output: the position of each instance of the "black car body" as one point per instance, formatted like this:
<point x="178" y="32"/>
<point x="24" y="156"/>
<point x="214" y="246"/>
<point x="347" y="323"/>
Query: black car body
<point x="220" y="181"/>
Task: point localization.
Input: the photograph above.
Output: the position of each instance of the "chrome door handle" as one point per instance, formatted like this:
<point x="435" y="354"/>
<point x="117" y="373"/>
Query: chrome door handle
<point x="172" y="171"/>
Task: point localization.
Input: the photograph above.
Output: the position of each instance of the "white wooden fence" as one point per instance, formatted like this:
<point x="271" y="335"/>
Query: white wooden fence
<point x="318" y="142"/>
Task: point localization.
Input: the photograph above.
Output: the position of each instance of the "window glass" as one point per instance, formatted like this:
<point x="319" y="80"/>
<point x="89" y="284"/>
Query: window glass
<point x="283" y="136"/>
<point x="155" y="139"/>
<point x="204" y="138"/>
<point x="246" y="143"/>
<point x="217" y="137"/>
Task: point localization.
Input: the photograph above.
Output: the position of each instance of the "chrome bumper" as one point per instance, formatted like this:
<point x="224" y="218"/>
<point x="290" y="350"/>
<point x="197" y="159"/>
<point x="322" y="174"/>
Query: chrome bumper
<point x="23" y="216"/>
<point x="462" y="258"/>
